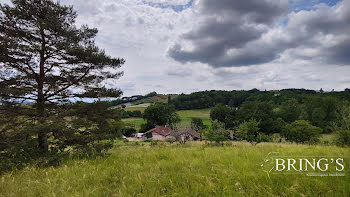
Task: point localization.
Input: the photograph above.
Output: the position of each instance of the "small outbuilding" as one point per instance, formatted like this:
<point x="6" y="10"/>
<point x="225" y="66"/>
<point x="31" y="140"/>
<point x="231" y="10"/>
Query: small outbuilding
<point x="159" y="133"/>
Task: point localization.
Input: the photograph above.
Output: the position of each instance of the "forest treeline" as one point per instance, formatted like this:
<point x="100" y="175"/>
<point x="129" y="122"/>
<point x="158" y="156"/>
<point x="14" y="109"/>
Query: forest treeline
<point x="273" y="109"/>
<point x="235" y="98"/>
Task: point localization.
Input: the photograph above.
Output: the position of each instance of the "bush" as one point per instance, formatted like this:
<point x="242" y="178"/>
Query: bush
<point x="197" y="124"/>
<point x="250" y="131"/>
<point x="128" y="131"/>
<point x="343" y="138"/>
<point x="94" y="149"/>
<point x="263" y="138"/>
<point x="26" y="153"/>
<point x="342" y="128"/>
<point x="301" y="131"/>
<point x="216" y="132"/>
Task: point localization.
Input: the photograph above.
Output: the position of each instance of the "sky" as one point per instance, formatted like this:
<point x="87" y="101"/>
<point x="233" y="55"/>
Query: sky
<point x="183" y="46"/>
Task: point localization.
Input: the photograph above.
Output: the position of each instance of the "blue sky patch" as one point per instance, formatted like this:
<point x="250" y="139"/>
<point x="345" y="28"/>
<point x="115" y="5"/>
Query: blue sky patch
<point x="176" y="8"/>
<point x="297" y="5"/>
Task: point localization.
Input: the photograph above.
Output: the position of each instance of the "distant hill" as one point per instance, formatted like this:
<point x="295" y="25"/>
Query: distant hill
<point x="234" y="98"/>
<point x="152" y="97"/>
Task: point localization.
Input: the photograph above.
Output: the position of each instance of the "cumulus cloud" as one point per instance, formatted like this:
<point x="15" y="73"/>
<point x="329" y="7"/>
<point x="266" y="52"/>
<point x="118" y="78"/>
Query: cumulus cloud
<point x="325" y="30"/>
<point x="227" y="44"/>
<point x="228" y="26"/>
<point x="238" y="33"/>
<point x="223" y="42"/>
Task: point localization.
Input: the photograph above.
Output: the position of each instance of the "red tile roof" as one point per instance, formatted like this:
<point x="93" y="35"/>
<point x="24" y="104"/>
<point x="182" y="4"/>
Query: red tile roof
<point x="164" y="131"/>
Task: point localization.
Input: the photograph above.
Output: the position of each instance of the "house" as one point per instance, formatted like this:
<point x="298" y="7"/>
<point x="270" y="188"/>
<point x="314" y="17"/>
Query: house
<point x="184" y="135"/>
<point x="159" y="133"/>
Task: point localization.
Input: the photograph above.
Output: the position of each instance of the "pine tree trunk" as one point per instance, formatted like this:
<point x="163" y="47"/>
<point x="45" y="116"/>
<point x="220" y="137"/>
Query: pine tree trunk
<point x="42" y="135"/>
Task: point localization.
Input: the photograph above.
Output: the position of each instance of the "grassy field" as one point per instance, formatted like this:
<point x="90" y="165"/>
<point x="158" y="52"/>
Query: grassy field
<point x="140" y="107"/>
<point x="134" y="122"/>
<point x="185" y="116"/>
<point x="178" y="170"/>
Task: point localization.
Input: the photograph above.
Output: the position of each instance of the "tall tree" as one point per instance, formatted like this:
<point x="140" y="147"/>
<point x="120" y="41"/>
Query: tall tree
<point x="160" y="114"/>
<point x="223" y="114"/>
<point x="46" y="59"/>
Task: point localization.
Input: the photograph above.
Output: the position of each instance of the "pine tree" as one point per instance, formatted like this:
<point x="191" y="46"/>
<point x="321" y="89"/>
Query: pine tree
<point x="46" y="59"/>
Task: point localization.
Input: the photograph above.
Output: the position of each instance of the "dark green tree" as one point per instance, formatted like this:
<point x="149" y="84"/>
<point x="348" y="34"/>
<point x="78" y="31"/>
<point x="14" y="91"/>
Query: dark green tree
<point x="301" y="131"/>
<point x="318" y="117"/>
<point x="260" y="111"/>
<point x="87" y="129"/>
<point x="197" y="124"/>
<point x="160" y="114"/>
<point x="46" y="59"/>
<point x="249" y="131"/>
<point x="223" y="114"/>
<point x="128" y="131"/>
<point x="84" y="125"/>
<point x="290" y="110"/>
<point x="342" y="128"/>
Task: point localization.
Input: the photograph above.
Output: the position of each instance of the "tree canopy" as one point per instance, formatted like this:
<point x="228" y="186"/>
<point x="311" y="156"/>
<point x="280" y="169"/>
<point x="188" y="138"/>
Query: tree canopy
<point x="160" y="114"/>
<point x="46" y="59"/>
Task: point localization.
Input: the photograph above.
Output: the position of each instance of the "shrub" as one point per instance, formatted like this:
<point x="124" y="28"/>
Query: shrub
<point x="26" y="153"/>
<point x="128" y="131"/>
<point x="197" y="124"/>
<point x="342" y="128"/>
<point x="216" y="132"/>
<point x="263" y="138"/>
<point x="250" y="131"/>
<point x="343" y="138"/>
<point x="301" y="131"/>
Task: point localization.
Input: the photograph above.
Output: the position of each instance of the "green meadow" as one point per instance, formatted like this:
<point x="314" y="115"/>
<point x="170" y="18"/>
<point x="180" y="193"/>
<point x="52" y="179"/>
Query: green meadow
<point x="193" y="169"/>
<point x="185" y="116"/>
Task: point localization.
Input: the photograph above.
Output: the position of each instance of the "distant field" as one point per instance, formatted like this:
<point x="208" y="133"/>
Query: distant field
<point x="158" y="98"/>
<point x="198" y="113"/>
<point x="185" y="116"/>
<point x="140" y="107"/>
<point x="134" y="122"/>
<point x="178" y="170"/>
